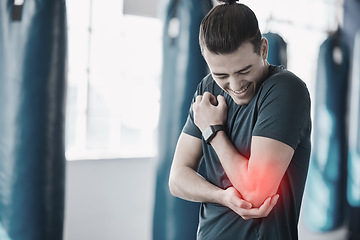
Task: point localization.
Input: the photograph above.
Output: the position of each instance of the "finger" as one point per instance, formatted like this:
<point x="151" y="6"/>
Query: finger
<point x="221" y="100"/>
<point x="249" y="213"/>
<point x="274" y="200"/>
<point x="198" y="100"/>
<point x="272" y="203"/>
<point x="241" y="204"/>
<point x="256" y="212"/>
<point x="239" y="201"/>
<point x="213" y="100"/>
<point x="266" y="203"/>
<point x="208" y="96"/>
<point x="265" y="206"/>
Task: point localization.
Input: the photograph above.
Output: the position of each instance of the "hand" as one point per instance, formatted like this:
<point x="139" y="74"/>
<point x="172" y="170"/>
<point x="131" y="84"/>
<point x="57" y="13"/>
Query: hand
<point x="243" y="208"/>
<point x="209" y="110"/>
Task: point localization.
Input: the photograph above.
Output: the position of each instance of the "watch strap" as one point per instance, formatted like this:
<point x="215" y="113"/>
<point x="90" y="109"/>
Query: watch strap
<point x="217" y="128"/>
<point x="214" y="130"/>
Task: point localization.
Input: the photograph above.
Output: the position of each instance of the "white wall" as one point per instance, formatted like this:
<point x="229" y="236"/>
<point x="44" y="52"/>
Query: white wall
<point x="109" y="199"/>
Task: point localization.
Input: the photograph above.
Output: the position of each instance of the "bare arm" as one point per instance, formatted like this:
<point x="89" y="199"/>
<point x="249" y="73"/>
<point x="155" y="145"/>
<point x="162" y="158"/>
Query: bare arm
<point x="257" y="178"/>
<point x="186" y="183"/>
<point x="260" y="176"/>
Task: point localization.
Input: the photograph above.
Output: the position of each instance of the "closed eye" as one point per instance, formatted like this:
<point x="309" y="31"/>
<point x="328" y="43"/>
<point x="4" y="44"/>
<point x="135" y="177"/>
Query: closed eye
<point x="243" y="73"/>
<point x="245" y="70"/>
<point x="221" y="76"/>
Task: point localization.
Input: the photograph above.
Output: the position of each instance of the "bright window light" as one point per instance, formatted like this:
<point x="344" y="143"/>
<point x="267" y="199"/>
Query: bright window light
<point x="113" y="97"/>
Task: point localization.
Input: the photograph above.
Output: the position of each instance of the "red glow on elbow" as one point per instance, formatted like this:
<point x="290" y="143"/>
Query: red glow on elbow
<point x="260" y="185"/>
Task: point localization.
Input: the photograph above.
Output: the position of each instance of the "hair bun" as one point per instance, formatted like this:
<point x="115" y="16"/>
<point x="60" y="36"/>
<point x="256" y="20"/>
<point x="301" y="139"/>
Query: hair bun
<point x="228" y="1"/>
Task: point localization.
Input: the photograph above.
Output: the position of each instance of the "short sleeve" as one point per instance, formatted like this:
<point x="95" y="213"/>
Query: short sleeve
<point x="190" y="127"/>
<point x="283" y="109"/>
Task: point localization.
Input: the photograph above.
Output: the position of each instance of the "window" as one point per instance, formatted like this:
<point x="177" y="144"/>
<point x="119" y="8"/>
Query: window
<point x="113" y="96"/>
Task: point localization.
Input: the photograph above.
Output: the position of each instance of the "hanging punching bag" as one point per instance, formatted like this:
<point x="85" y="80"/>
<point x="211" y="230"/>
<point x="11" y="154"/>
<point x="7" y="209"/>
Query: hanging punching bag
<point x="32" y="87"/>
<point x="277" y="53"/>
<point x="325" y="191"/>
<point x="353" y="178"/>
<point x="183" y="68"/>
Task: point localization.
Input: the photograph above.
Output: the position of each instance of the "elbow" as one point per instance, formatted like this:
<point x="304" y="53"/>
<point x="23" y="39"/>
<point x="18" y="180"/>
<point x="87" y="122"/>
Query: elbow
<point x="172" y="185"/>
<point x="257" y="190"/>
<point x="255" y="195"/>
<point x="255" y="198"/>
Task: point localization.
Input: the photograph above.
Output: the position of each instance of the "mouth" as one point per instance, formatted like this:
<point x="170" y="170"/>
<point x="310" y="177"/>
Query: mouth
<point x="242" y="90"/>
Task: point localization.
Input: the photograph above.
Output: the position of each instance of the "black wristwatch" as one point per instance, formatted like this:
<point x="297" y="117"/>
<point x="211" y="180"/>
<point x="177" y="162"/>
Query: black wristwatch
<point x="211" y="131"/>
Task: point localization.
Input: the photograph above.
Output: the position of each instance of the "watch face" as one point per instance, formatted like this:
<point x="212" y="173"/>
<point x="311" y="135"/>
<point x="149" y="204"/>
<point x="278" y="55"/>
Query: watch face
<point x="208" y="133"/>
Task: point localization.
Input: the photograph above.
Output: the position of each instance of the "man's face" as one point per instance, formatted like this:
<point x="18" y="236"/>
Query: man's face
<point x="239" y="73"/>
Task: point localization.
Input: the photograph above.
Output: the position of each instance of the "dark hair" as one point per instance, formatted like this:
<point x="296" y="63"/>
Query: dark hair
<point x="228" y="1"/>
<point x="227" y="26"/>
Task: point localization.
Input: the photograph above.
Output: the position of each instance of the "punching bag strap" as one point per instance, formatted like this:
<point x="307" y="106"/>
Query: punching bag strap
<point x="17" y="10"/>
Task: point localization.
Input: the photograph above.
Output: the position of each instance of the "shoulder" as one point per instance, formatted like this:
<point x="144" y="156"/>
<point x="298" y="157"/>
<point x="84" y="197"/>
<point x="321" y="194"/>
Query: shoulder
<point x="283" y="77"/>
<point x="208" y="84"/>
<point x="285" y="83"/>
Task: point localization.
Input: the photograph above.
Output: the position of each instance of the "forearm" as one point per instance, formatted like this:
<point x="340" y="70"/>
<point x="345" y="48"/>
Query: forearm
<point x="187" y="184"/>
<point x="184" y="181"/>
<point x="248" y="180"/>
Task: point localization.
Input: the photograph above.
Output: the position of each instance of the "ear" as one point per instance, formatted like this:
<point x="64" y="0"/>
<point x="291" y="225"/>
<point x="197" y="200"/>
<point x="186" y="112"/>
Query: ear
<point x="264" y="48"/>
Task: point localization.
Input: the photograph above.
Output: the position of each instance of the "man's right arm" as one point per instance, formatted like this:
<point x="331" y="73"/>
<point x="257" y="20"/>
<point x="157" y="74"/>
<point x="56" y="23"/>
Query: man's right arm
<point x="186" y="183"/>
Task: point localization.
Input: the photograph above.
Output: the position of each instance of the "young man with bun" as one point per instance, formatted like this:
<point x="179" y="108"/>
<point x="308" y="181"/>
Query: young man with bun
<point x="250" y="123"/>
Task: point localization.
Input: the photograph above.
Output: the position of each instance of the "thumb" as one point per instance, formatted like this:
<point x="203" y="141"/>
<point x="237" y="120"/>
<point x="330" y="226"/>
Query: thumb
<point x="245" y="204"/>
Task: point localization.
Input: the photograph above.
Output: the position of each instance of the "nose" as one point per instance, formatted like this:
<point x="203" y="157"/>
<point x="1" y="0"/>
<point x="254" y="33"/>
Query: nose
<point x="235" y="82"/>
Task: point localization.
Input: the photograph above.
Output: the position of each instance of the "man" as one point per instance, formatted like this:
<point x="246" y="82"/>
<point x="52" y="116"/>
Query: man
<point x="250" y="122"/>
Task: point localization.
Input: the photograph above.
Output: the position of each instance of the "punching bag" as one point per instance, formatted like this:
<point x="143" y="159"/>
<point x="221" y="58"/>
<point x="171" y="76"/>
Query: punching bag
<point x="353" y="180"/>
<point x="32" y="93"/>
<point x="183" y="68"/>
<point x="277" y="53"/>
<point x="325" y="195"/>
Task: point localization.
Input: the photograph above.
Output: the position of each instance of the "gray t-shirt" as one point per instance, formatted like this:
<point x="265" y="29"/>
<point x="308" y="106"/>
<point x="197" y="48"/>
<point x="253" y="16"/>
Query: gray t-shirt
<point x="279" y="110"/>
